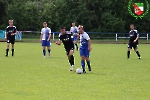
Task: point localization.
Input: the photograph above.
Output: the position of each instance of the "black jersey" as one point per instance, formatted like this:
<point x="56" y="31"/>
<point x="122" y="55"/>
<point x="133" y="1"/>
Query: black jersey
<point x="9" y="31"/>
<point x="67" y="40"/>
<point x="133" y="35"/>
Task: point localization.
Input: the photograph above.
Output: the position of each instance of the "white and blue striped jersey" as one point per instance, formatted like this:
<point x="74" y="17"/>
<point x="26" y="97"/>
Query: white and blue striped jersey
<point x="74" y="29"/>
<point x="46" y="32"/>
<point x="84" y="40"/>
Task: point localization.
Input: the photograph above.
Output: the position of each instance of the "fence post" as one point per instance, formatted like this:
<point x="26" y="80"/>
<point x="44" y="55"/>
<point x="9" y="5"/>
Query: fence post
<point x="116" y="37"/>
<point x="53" y="36"/>
<point x="147" y="36"/>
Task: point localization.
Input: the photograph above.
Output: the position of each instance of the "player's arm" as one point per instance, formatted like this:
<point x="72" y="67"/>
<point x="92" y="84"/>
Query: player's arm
<point x="59" y="40"/>
<point x="71" y="30"/>
<point x="136" y="37"/>
<point x="89" y="45"/>
<point x="86" y="36"/>
<point x="6" y="33"/>
<point x="78" y="35"/>
<point x="49" y="35"/>
<point x="15" y="31"/>
<point x="41" y="35"/>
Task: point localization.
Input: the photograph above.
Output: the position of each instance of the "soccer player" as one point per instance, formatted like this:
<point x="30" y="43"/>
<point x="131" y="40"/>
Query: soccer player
<point x="85" y="48"/>
<point x="45" y="39"/>
<point x="133" y="41"/>
<point x="66" y="38"/>
<point x="74" y="29"/>
<point x="11" y="31"/>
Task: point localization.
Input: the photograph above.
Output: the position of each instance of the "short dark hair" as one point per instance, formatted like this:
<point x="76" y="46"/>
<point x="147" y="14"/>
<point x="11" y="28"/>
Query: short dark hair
<point x="11" y="20"/>
<point x="62" y="27"/>
<point x="131" y="24"/>
<point x="44" y="22"/>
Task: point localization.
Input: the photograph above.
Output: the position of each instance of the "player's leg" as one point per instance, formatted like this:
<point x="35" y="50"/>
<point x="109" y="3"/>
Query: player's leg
<point x="75" y="42"/>
<point x="137" y="52"/>
<point x="82" y="55"/>
<point x="83" y="63"/>
<point x="48" y="47"/>
<point x="7" y="48"/>
<point x="44" y="46"/>
<point x="49" y="50"/>
<point x="44" y="51"/>
<point x="128" y="51"/>
<point x="12" y="49"/>
<point x="71" y="59"/>
<point x="87" y="59"/>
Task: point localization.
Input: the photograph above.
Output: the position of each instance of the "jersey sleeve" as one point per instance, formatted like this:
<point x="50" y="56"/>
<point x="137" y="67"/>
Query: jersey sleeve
<point x="7" y="29"/>
<point x="59" y="36"/>
<point x="136" y="33"/>
<point x="86" y="36"/>
<point x="49" y="31"/>
<point x="15" y="29"/>
<point x="42" y="31"/>
<point x="77" y="30"/>
<point x="71" y="29"/>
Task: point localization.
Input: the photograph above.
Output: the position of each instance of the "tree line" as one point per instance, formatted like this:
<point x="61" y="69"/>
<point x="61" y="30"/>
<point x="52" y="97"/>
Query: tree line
<point x="94" y="15"/>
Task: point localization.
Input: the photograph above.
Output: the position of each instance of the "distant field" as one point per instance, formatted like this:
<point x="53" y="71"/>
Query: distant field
<point x="28" y="76"/>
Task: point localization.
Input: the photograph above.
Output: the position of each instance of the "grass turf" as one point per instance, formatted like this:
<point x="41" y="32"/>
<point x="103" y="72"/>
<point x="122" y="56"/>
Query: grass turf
<point x="28" y="76"/>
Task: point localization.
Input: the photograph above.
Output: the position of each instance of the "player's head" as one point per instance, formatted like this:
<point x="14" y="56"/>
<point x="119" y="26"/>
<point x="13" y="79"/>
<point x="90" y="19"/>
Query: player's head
<point x="73" y="24"/>
<point x="45" y="24"/>
<point x="63" y="30"/>
<point x="132" y="26"/>
<point x="81" y="29"/>
<point x="11" y="22"/>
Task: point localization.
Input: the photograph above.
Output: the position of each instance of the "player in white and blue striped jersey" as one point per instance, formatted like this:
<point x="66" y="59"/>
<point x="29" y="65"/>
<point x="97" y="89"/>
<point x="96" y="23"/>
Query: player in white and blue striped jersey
<point x="74" y="30"/>
<point x="85" y="48"/>
<point x="45" y="39"/>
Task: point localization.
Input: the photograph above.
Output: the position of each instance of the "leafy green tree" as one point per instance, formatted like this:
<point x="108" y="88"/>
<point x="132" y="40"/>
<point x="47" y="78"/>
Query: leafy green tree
<point x="94" y="15"/>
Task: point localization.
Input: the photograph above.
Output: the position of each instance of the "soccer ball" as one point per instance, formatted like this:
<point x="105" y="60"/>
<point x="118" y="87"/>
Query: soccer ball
<point x="79" y="71"/>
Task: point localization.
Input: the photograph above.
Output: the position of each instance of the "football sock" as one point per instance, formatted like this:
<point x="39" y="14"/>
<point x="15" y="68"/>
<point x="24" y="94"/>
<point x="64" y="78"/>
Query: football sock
<point x="7" y="50"/>
<point x="12" y="52"/>
<point x="44" y="52"/>
<point x="49" y="51"/>
<point x="128" y="54"/>
<point x="71" y="60"/>
<point x="89" y="66"/>
<point x="76" y="46"/>
<point x="83" y="65"/>
<point x="138" y="54"/>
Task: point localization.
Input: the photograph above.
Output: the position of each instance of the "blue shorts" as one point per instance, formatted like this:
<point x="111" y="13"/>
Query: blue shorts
<point x="74" y="38"/>
<point x="84" y="52"/>
<point x="46" y="43"/>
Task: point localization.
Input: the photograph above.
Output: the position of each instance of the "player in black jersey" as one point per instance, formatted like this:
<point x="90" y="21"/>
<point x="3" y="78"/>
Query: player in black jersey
<point x="66" y="38"/>
<point x="133" y="41"/>
<point x="11" y="31"/>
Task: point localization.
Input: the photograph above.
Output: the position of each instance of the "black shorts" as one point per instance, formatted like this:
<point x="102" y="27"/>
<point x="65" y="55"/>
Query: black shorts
<point x="68" y="50"/>
<point x="132" y="45"/>
<point x="12" y="41"/>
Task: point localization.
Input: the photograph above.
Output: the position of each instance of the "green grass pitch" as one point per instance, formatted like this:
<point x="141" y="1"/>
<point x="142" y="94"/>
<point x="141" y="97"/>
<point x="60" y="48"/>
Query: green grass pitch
<point x="28" y="76"/>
